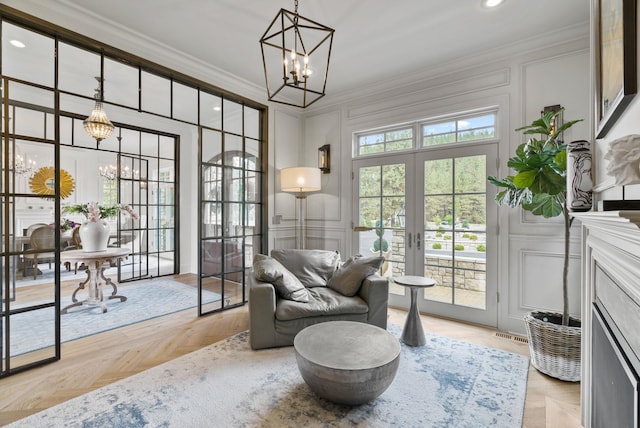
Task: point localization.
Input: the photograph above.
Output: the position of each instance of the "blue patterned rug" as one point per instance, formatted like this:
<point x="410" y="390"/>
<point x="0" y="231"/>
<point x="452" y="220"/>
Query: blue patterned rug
<point x="446" y="383"/>
<point x="145" y="300"/>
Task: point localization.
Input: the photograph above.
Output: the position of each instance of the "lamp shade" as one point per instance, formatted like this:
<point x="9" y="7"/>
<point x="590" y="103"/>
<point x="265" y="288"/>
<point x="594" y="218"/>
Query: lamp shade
<point x="300" y="179"/>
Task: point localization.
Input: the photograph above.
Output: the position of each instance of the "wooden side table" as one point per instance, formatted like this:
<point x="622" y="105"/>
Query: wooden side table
<point x="413" y="333"/>
<point x="95" y="262"/>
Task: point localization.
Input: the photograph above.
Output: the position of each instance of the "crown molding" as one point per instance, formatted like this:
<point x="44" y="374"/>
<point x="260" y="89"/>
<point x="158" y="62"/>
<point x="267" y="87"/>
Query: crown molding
<point x="551" y="43"/>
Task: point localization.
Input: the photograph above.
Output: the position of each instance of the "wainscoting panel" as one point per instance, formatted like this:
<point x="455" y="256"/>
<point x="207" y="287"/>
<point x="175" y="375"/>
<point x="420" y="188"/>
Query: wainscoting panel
<point x="320" y="130"/>
<point x="287" y="134"/>
<point x="317" y="238"/>
<point x="535" y="278"/>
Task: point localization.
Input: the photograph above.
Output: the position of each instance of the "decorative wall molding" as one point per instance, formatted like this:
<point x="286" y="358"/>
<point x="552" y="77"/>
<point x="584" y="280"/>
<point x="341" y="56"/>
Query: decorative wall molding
<point x="287" y="134"/>
<point x="325" y="128"/>
<point x="534" y="278"/>
<point x="526" y="258"/>
<point x="563" y="40"/>
<point x="433" y="90"/>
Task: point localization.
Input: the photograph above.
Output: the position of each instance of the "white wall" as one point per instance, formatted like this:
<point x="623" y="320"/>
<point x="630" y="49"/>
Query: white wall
<point x="520" y="84"/>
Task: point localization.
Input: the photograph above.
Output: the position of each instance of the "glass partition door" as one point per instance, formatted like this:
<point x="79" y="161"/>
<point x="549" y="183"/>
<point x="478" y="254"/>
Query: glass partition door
<point x="30" y="191"/>
<point x="231" y="203"/>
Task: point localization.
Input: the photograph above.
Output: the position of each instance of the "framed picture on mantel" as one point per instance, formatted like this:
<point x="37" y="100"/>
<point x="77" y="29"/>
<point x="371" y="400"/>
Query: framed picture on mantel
<point x="616" y="79"/>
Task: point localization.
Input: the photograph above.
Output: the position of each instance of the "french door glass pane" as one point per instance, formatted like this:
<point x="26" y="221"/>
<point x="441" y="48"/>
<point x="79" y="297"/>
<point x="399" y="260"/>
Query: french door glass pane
<point x="455" y="230"/>
<point x="381" y="208"/>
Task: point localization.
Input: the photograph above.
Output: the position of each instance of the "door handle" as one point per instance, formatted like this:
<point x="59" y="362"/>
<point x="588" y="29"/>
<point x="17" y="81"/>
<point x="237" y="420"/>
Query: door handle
<point x="409" y="241"/>
<point x="418" y="241"/>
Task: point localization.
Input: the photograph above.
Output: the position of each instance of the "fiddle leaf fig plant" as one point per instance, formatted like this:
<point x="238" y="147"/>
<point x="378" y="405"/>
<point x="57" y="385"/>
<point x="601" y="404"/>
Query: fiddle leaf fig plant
<point x="540" y="181"/>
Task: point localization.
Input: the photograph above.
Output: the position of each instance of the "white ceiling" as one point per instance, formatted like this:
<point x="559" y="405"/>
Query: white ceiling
<point x="375" y="40"/>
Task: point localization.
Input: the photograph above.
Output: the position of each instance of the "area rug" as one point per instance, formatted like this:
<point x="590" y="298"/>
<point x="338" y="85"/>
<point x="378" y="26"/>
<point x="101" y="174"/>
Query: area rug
<point x="447" y="383"/>
<point x="145" y="300"/>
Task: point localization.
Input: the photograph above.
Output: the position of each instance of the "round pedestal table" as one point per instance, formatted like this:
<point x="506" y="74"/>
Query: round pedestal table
<point x="96" y="263"/>
<point x="412" y="333"/>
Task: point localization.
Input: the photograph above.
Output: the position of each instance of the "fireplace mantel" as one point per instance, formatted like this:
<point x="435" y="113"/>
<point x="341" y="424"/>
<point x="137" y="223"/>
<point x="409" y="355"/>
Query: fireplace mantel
<point x="614" y="219"/>
<point x="610" y="272"/>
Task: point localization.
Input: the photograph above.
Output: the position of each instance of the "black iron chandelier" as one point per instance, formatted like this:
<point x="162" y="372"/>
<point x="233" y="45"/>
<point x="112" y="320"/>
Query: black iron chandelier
<point x="294" y="49"/>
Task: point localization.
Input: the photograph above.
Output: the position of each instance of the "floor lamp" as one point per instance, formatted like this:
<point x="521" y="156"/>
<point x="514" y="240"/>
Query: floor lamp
<point x="300" y="180"/>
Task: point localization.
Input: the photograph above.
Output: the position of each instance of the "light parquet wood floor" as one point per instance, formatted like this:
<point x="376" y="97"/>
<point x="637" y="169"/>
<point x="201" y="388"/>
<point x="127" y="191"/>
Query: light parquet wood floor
<point x="95" y="361"/>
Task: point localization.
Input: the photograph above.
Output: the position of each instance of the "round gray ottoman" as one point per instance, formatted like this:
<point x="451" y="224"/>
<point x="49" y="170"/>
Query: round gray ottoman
<point x="347" y="362"/>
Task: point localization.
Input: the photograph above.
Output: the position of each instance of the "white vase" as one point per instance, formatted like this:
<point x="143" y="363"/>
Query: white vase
<point x="94" y="236"/>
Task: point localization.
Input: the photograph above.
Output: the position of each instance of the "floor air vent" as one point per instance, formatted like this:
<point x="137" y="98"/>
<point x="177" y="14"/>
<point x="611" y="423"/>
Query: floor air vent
<point x="508" y="336"/>
<point x="520" y="339"/>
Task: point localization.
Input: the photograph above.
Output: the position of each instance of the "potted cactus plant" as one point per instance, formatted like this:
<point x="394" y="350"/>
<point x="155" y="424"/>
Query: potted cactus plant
<point x="540" y="186"/>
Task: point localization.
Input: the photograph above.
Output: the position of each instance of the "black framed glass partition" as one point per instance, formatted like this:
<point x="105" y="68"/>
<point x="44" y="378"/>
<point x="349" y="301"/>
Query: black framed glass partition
<point x="159" y="115"/>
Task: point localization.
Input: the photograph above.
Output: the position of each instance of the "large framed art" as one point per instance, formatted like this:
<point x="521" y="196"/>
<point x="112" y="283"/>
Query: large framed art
<point x="616" y="80"/>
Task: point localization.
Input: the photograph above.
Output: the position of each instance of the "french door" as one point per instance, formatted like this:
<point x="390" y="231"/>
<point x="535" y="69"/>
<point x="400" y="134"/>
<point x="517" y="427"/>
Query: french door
<point x="429" y="214"/>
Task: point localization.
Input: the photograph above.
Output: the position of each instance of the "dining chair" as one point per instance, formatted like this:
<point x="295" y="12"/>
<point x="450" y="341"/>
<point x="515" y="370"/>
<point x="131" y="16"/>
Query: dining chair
<point x="33" y="227"/>
<point x="42" y="244"/>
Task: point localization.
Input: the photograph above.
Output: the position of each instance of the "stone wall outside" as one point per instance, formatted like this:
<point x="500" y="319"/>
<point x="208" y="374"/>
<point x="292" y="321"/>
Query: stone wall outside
<point x="471" y="271"/>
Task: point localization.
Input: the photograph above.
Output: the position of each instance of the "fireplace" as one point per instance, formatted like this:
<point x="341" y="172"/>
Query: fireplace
<point x="614" y="392"/>
<point x="610" y="319"/>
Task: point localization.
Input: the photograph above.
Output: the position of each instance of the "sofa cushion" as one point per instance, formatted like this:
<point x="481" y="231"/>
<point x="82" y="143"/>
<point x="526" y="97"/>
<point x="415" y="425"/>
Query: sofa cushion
<point x="286" y="284"/>
<point x="313" y="268"/>
<point x="348" y="279"/>
<point x="258" y="257"/>
<point x="323" y="301"/>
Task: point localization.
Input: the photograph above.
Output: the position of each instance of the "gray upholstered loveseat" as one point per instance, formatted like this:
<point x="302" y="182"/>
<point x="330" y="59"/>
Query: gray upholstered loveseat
<point x="331" y="290"/>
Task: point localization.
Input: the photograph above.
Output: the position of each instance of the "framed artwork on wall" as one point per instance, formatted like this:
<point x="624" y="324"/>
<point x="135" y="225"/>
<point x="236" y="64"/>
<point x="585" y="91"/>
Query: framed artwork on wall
<point x="616" y="79"/>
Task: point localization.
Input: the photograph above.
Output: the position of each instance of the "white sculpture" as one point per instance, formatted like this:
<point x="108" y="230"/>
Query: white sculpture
<point x="624" y="159"/>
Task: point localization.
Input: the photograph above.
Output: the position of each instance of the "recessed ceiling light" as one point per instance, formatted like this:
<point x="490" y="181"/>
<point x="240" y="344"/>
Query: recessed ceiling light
<point x="491" y="3"/>
<point x="17" y="43"/>
<point x="217" y="108"/>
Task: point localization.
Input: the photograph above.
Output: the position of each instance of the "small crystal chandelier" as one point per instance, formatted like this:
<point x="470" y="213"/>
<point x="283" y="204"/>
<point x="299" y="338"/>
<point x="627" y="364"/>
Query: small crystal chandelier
<point x="293" y="50"/>
<point x="18" y="164"/>
<point x="98" y="124"/>
<point x="110" y="172"/>
<point x="22" y="166"/>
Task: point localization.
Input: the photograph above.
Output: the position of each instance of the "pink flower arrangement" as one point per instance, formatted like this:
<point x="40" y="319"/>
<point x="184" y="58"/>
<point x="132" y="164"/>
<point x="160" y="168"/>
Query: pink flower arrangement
<point x="94" y="211"/>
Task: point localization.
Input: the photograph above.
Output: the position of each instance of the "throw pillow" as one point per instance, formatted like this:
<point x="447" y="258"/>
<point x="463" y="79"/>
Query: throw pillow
<point x="286" y="284"/>
<point x="313" y="268"/>
<point x="348" y="279"/>
<point x="258" y="257"/>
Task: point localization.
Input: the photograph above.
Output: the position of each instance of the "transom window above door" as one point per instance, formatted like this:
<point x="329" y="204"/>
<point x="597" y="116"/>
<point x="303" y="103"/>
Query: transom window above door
<point x="461" y="128"/>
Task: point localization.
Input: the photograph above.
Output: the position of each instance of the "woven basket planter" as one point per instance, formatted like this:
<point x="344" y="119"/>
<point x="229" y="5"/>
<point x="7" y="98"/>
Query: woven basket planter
<point x="555" y="349"/>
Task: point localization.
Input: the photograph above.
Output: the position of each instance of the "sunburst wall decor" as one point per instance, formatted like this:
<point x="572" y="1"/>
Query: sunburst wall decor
<point x="42" y="182"/>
